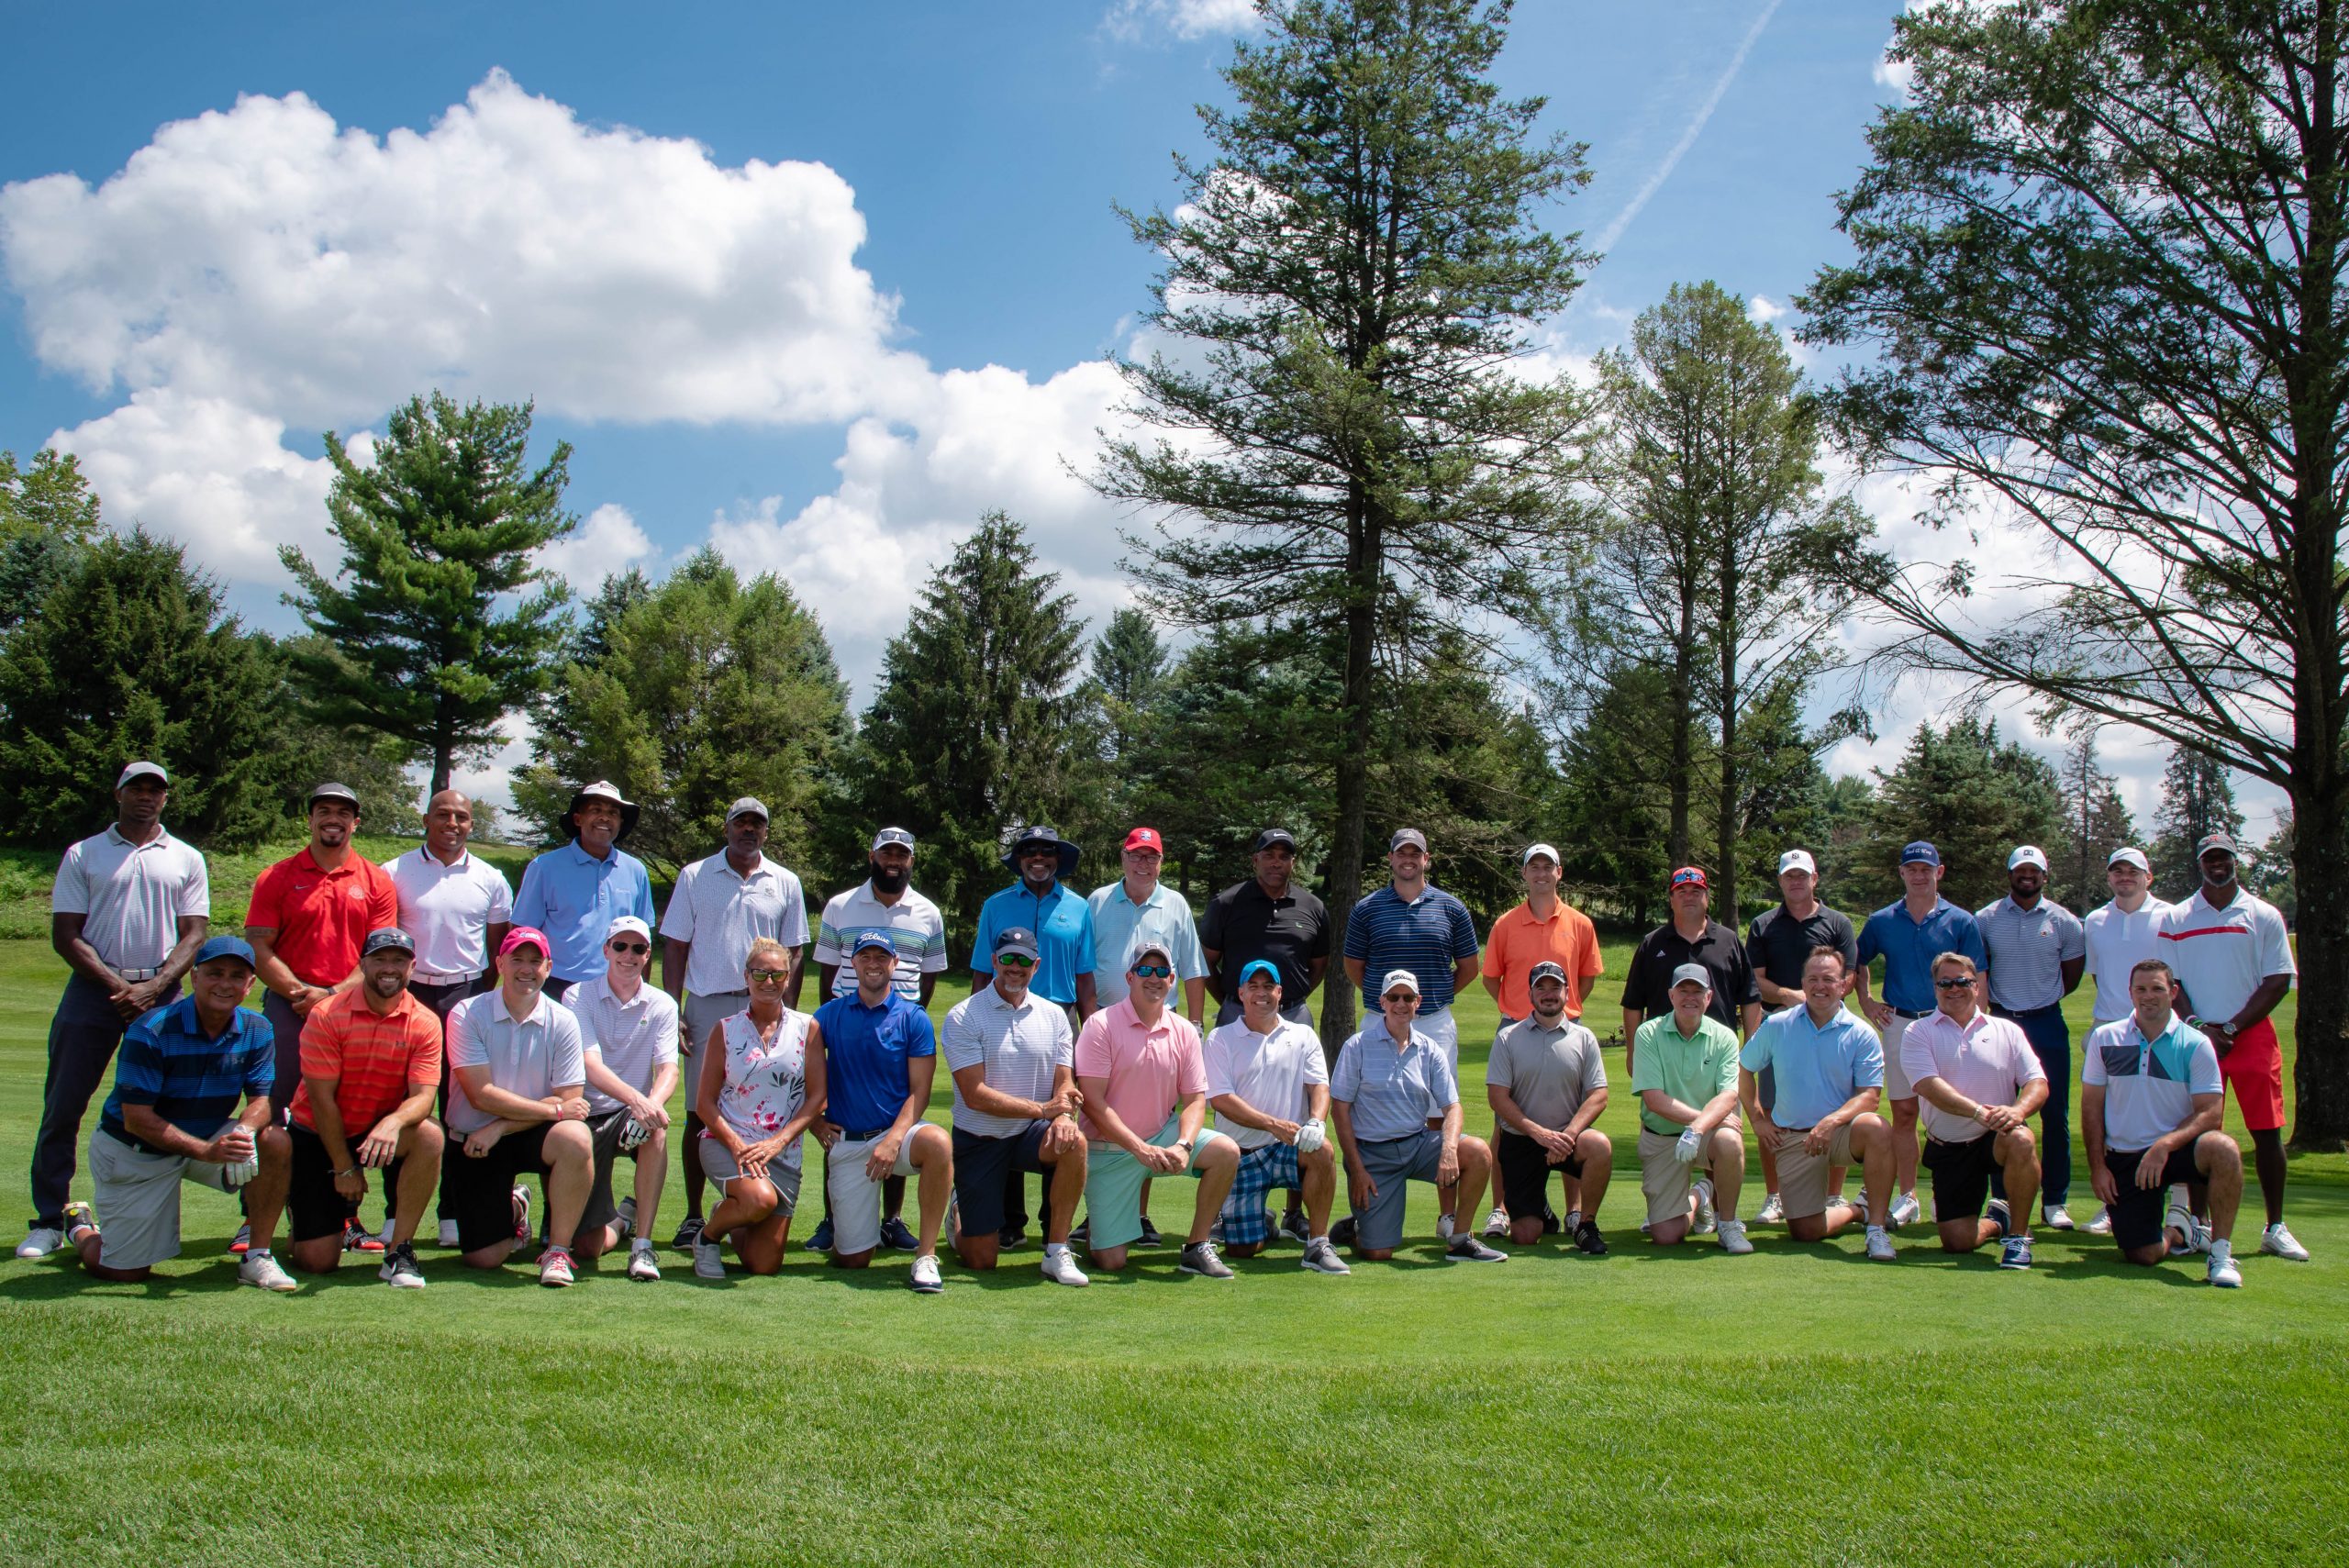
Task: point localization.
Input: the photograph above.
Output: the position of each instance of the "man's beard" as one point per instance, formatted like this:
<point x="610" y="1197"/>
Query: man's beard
<point x="888" y="879"/>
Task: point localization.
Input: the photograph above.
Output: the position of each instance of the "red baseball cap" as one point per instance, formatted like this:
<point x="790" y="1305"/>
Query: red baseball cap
<point x="525" y="937"/>
<point x="1145" y="838"/>
<point x="1689" y="876"/>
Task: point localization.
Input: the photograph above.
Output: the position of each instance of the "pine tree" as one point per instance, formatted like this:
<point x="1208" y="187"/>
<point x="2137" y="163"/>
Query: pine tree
<point x="437" y="532"/>
<point x="49" y="515"/>
<point x="2095" y="822"/>
<point x="1974" y="798"/>
<point x="2197" y="797"/>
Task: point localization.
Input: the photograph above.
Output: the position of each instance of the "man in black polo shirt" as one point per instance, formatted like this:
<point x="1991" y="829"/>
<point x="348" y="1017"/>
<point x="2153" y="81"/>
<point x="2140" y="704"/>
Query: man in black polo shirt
<point x="1270" y="917"/>
<point x="1691" y="936"/>
<point x="1778" y="944"/>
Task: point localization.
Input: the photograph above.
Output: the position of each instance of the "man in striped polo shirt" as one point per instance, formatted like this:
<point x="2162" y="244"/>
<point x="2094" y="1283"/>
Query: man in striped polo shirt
<point x="1409" y="925"/>
<point x="129" y="909"/>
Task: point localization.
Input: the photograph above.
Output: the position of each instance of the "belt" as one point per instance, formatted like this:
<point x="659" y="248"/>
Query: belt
<point x="422" y="977"/>
<point x="139" y="973"/>
<point x="861" y="1135"/>
<point x="1998" y="1012"/>
<point x="1911" y="1016"/>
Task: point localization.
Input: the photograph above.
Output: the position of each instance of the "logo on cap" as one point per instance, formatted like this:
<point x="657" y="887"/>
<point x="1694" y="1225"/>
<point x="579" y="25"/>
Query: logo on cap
<point x="1796" y="859"/>
<point x="894" y="836"/>
<point x="2209" y="842"/>
<point x="627" y="924"/>
<point x="1545" y="970"/>
<point x="1689" y="876"/>
<point x="390" y="937"/>
<point x="2027" y="855"/>
<point x="1919" y="853"/>
<point x="1015" y="938"/>
<point x="880" y="939"/>
<point x="1410" y="836"/>
<point x="1144" y="839"/>
<point x="1399" y="980"/>
<point x="1271" y="837"/>
<point x="526" y="936"/>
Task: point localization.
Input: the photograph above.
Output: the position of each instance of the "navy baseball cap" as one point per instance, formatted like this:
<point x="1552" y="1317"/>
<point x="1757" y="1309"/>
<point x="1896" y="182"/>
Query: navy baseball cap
<point x="1263" y="966"/>
<point x="874" y="940"/>
<point x="226" y="947"/>
<point x="1917" y="852"/>
<point x="1015" y="939"/>
<point x="1271" y="837"/>
<point x="384" y="937"/>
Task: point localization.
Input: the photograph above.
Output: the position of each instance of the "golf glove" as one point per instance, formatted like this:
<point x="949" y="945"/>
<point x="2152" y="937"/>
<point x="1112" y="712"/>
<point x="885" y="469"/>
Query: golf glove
<point x="1685" y="1150"/>
<point x="1308" y="1137"/>
<point x="633" y="1133"/>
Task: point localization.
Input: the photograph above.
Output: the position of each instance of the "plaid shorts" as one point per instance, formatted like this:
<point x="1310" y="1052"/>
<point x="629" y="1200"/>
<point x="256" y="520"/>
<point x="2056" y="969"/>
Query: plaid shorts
<point x="1246" y="1219"/>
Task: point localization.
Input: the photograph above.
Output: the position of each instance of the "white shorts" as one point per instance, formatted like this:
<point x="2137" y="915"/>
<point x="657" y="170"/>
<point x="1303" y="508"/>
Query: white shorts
<point x="1440" y="1026"/>
<point x="856" y="1197"/>
<point x="139" y="1199"/>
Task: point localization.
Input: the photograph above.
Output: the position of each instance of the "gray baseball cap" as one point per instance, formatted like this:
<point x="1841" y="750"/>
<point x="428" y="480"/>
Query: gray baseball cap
<point x="385" y="936"/>
<point x="893" y="836"/>
<point x="748" y="806"/>
<point x="1696" y="972"/>
<point x="1403" y="836"/>
<point x="142" y="769"/>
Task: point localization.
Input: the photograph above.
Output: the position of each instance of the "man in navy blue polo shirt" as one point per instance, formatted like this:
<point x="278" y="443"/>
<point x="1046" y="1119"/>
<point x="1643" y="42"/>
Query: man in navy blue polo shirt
<point x="1062" y="921"/>
<point x="880" y="1055"/>
<point x="172" y="1118"/>
<point x="1909" y="934"/>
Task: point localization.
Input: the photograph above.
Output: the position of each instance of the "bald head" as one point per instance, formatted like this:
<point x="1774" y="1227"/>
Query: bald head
<point x="448" y="823"/>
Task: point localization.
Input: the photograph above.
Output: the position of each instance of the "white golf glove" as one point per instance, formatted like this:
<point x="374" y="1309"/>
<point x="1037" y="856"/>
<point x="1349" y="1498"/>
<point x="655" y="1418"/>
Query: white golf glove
<point x="1308" y="1137"/>
<point x="236" y="1175"/>
<point x="1685" y="1150"/>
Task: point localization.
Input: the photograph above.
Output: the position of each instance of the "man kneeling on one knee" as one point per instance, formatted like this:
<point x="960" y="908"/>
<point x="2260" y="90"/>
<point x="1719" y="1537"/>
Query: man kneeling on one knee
<point x="1547" y="1087"/>
<point x="1271" y="1092"/>
<point x="1685" y="1072"/>
<point x="1831" y="1078"/>
<point x="1981" y="1083"/>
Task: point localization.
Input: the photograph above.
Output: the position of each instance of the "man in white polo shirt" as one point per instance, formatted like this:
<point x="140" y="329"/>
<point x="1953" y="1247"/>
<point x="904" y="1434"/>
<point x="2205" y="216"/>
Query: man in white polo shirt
<point x="2119" y="934"/>
<point x="2233" y="962"/>
<point x="1269" y="1086"/>
<point x="628" y="1033"/>
<point x="719" y="908"/>
<point x="1980" y="1080"/>
<point x="129" y="909"/>
<point x="458" y="907"/>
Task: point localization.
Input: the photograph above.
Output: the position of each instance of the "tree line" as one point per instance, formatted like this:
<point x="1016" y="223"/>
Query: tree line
<point x="2094" y="300"/>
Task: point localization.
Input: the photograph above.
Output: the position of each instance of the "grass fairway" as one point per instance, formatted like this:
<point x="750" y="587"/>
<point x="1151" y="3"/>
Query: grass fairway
<point x="1797" y="1406"/>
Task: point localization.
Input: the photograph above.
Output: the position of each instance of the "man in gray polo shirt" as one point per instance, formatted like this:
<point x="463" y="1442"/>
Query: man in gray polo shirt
<point x="1389" y="1083"/>
<point x="721" y="905"/>
<point x="1547" y="1086"/>
<point x="130" y="907"/>
<point x="2038" y="952"/>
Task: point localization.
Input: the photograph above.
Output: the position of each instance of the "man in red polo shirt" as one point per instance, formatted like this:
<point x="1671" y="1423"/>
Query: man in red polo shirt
<point x="1545" y="929"/>
<point x="371" y="1068"/>
<point x="309" y="913"/>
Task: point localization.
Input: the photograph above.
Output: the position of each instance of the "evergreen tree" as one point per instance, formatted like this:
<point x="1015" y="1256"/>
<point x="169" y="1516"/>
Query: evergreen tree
<point x="1974" y="798"/>
<point x="47" y="515"/>
<point x="1613" y="824"/>
<point x="1354" y="271"/>
<point x="2197" y="797"/>
<point x="978" y="724"/>
<point x="2095" y="822"/>
<point x="420" y="636"/>
<point x="708" y="689"/>
<point x="130" y="655"/>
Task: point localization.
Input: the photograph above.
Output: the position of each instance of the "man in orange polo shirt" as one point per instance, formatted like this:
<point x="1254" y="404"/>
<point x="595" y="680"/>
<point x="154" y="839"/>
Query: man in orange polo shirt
<point x="309" y="913"/>
<point x="1545" y="929"/>
<point x="371" y="1068"/>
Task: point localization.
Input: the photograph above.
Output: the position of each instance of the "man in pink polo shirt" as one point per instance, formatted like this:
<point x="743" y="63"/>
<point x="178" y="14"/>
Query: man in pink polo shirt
<point x="1143" y="1073"/>
<point x="1981" y="1084"/>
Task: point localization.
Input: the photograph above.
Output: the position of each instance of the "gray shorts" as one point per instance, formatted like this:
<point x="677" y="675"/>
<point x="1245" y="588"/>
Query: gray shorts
<point x="703" y="1014"/>
<point x="1392" y="1165"/>
<point x="139" y="1199"/>
<point x="720" y="1167"/>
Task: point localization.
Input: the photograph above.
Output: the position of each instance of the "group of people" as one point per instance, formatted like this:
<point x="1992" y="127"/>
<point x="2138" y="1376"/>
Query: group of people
<point x="423" y="1022"/>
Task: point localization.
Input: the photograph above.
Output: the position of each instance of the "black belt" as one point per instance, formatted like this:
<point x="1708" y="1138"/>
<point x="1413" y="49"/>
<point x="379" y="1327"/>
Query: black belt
<point x="861" y="1135"/>
<point x="1911" y="1016"/>
<point x="1998" y="1012"/>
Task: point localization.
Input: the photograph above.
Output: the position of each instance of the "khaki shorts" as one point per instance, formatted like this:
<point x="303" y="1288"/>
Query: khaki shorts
<point x="1665" y="1181"/>
<point x="1896" y="1083"/>
<point x="138" y="1199"/>
<point x="1802" y="1176"/>
<point x="856" y="1197"/>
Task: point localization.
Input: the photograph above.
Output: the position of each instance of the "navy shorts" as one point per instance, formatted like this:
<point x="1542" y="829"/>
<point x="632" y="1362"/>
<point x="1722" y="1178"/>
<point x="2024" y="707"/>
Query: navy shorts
<point x="981" y="1165"/>
<point x="2137" y="1218"/>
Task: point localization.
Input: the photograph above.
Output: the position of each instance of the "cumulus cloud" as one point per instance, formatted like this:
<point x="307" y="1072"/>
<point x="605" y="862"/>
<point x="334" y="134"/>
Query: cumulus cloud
<point x="1133" y="19"/>
<point x="607" y="541"/>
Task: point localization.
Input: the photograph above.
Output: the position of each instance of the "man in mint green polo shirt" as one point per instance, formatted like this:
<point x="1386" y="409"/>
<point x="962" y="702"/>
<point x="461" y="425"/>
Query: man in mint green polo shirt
<point x="1685" y="1073"/>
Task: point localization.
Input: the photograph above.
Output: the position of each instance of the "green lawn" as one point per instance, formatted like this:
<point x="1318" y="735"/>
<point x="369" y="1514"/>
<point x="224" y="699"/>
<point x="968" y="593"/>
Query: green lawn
<point x="1797" y="1406"/>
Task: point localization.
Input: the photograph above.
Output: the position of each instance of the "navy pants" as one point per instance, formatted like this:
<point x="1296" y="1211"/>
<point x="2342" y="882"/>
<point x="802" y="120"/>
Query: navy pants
<point x="2051" y="1041"/>
<point x="83" y="1038"/>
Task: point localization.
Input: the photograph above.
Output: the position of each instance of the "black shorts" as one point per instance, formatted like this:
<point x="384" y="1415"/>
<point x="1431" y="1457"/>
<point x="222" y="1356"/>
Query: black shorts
<point x="604" y="1130"/>
<point x="2137" y="1217"/>
<point x="313" y="1208"/>
<point x="479" y="1193"/>
<point x="981" y="1167"/>
<point x="1525" y="1174"/>
<point x="1962" y="1174"/>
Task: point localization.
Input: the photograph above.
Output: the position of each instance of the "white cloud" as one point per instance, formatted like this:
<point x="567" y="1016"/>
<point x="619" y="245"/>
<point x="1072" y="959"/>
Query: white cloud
<point x="607" y="541"/>
<point x="1764" y="309"/>
<point x="1131" y="19"/>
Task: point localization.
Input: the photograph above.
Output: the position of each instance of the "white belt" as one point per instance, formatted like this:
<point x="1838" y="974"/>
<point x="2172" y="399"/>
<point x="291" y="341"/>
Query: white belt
<point x="425" y="978"/>
<point x="139" y="973"/>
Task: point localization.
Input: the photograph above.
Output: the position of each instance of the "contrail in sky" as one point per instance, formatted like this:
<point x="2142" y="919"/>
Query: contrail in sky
<point x="1622" y="220"/>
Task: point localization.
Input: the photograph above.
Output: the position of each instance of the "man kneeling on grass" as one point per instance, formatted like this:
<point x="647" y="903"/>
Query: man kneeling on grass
<point x="1981" y="1083"/>
<point x="1390" y="1082"/>
<point x="1271" y="1092"/>
<point x="1547" y="1086"/>
<point x="1685" y="1073"/>
<point x="1142" y="1071"/>
<point x="880" y="1056"/>
<point x="1831" y="1078"/>
<point x="517" y="1073"/>
<point x="2150" y="1102"/>
<point x="628" y="1033"/>
<point x="172" y="1117"/>
<point x="371" y="1067"/>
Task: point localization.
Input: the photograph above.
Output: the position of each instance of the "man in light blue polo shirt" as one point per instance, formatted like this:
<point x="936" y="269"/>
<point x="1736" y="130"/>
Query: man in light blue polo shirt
<point x="1062" y="921"/>
<point x="1830" y="1071"/>
<point x="1909" y="934"/>
<point x="1139" y="905"/>
<point x="574" y="893"/>
<point x="2038" y="952"/>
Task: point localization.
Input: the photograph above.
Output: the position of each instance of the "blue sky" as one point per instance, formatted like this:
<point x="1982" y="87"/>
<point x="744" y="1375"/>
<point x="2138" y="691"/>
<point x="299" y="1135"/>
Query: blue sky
<point x="816" y="284"/>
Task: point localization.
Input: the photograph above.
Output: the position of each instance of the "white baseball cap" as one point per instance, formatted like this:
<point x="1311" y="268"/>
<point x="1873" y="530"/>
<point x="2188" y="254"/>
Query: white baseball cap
<point x="1400" y="979"/>
<point x="1549" y="849"/>
<point x="2129" y="854"/>
<point x="628" y="924"/>
<point x="1797" y="860"/>
<point x="2027" y="855"/>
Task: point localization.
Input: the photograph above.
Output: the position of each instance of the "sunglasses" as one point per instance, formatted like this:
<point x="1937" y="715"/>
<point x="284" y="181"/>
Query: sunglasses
<point x="1151" y="972"/>
<point x="1393" y="996"/>
<point x="629" y="947"/>
<point x="1014" y="960"/>
<point x="1957" y="982"/>
<point x="772" y="977"/>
